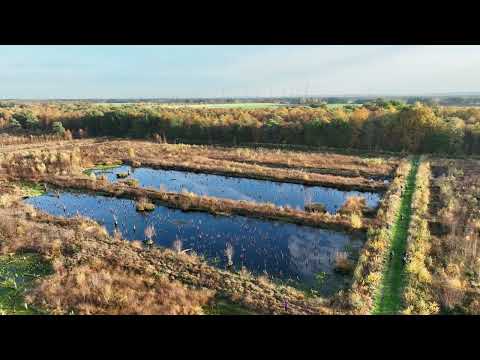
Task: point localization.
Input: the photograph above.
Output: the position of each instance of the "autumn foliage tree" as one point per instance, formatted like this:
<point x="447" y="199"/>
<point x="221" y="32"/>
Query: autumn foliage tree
<point x="378" y="125"/>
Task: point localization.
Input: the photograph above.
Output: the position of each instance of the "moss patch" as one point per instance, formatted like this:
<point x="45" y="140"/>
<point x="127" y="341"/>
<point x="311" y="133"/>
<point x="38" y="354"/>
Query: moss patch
<point x="30" y="189"/>
<point x="104" y="166"/>
<point x="225" y="307"/>
<point x="17" y="275"/>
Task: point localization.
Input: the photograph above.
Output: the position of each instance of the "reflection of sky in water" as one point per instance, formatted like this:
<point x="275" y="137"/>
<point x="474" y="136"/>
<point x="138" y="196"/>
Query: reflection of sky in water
<point x="280" y="194"/>
<point x="281" y="249"/>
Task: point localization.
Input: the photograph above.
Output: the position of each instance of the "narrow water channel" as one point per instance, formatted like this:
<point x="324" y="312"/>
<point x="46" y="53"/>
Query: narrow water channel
<point x="282" y="250"/>
<point x="280" y="194"/>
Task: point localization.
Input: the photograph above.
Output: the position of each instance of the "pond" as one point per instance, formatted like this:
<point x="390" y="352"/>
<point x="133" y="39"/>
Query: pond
<point x="286" y="252"/>
<point x="280" y="194"/>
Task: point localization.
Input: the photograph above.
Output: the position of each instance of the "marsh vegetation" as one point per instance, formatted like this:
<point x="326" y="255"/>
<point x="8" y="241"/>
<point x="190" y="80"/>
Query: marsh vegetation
<point x="152" y="227"/>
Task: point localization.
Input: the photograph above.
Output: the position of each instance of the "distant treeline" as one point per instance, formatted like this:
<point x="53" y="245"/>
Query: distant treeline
<point x="444" y="100"/>
<point x="386" y="125"/>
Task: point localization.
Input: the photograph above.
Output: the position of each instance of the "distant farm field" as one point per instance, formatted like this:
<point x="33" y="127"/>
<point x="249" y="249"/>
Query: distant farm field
<point x="231" y="106"/>
<point x="199" y="106"/>
<point x="341" y="105"/>
<point x="250" y="105"/>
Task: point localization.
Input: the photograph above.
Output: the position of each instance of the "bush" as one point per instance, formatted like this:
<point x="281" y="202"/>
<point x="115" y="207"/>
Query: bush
<point x="14" y="124"/>
<point x="342" y="263"/>
<point x="315" y="207"/>
<point x="27" y="120"/>
<point x="356" y="221"/>
<point x="144" y="205"/>
<point x="67" y="135"/>
<point x="354" y="205"/>
<point x="130" y="182"/>
<point x="122" y="175"/>
<point x="58" y="128"/>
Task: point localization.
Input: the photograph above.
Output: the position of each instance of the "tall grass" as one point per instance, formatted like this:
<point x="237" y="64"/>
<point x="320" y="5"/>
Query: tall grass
<point x="418" y="296"/>
<point x="100" y="288"/>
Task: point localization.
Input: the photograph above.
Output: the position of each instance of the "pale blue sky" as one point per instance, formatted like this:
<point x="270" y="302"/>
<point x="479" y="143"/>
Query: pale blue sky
<point x="212" y="71"/>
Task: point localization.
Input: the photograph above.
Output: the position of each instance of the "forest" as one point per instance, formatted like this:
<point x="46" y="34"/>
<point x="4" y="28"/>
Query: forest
<point x="374" y="126"/>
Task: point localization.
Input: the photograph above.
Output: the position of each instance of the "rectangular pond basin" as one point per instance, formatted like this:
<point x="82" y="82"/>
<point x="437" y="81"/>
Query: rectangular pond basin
<point x="286" y="252"/>
<point x="280" y="194"/>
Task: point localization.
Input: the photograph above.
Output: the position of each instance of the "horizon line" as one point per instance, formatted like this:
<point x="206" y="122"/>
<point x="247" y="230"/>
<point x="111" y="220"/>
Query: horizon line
<point x="176" y="98"/>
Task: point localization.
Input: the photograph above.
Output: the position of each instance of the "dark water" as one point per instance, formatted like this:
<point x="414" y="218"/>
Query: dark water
<point x="280" y="194"/>
<point x="285" y="251"/>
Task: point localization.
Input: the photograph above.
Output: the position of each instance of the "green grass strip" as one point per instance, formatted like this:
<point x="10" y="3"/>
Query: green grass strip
<point x="223" y="306"/>
<point x="389" y="297"/>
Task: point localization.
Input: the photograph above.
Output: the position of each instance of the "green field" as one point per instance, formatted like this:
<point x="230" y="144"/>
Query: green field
<point x="225" y="307"/>
<point x="248" y="105"/>
<point x="231" y="106"/>
<point x="333" y="106"/>
<point x="107" y="104"/>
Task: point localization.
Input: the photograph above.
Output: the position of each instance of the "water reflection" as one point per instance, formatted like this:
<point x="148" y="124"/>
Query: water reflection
<point x="285" y="251"/>
<point x="280" y="194"/>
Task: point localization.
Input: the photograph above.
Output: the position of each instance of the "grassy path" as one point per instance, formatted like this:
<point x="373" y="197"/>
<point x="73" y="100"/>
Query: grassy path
<point x="388" y="299"/>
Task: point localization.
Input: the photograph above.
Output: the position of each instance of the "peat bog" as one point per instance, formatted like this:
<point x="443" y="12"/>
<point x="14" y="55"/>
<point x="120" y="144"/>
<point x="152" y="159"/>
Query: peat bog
<point x="278" y="193"/>
<point x="286" y="252"/>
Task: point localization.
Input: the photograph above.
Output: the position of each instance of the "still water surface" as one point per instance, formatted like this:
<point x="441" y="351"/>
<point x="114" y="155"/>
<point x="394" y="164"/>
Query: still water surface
<point x="280" y="194"/>
<point x="282" y="250"/>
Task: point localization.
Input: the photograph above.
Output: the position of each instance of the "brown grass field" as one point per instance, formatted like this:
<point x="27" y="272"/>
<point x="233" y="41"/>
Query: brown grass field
<point x="205" y="160"/>
<point x="455" y="231"/>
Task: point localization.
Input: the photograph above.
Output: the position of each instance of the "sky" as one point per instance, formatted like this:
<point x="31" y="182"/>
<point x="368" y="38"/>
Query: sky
<point x="49" y="72"/>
